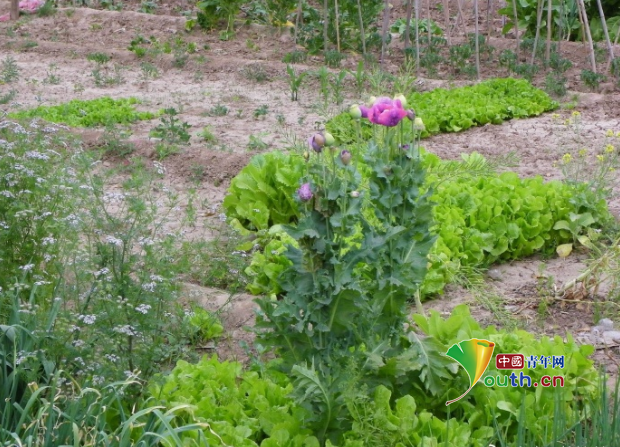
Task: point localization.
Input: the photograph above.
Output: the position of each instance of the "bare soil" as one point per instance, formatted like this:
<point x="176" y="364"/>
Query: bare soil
<point x="218" y="75"/>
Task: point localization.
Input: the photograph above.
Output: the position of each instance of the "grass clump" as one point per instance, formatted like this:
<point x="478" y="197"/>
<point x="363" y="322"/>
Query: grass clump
<point x="91" y="113"/>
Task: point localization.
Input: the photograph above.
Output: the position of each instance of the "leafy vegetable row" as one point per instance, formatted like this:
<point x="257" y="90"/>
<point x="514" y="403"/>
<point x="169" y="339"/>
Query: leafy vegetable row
<point x="478" y="219"/>
<point x="250" y="408"/>
<point x="97" y="112"/>
<point x="442" y="110"/>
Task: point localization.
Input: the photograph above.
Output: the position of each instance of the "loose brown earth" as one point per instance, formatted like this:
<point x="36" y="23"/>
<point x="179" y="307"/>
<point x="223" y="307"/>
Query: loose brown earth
<point x="65" y="39"/>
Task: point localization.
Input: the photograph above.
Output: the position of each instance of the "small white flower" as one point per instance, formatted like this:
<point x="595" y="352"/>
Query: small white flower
<point x="222" y="217"/>
<point x="87" y="319"/>
<point x="143" y="309"/>
<point x="113" y="240"/>
<point x="149" y="286"/>
<point x="27" y="267"/>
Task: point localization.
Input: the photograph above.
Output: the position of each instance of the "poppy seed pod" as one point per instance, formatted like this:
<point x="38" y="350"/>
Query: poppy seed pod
<point x="329" y="139"/>
<point x="418" y="124"/>
<point x="345" y="157"/>
<point x="316" y="142"/>
<point x="355" y="112"/>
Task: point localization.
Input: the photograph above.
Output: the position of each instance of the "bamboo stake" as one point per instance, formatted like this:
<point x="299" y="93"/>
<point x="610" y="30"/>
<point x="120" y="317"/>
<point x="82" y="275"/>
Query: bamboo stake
<point x="477" y="42"/>
<point x="325" y="19"/>
<point x="14" y="10"/>
<point x="362" y="33"/>
<point x="561" y="28"/>
<point x="539" y="9"/>
<point x="586" y="25"/>
<point x="549" y="18"/>
<point x="417" y="36"/>
<point x="408" y="26"/>
<point x="338" y="25"/>
<point x="489" y="7"/>
<point x="516" y="19"/>
<point x="298" y="19"/>
<point x="428" y="24"/>
<point x="384" y="30"/>
<point x="609" y="47"/>
<point x="460" y="16"/>
<point x="446" y="15"/>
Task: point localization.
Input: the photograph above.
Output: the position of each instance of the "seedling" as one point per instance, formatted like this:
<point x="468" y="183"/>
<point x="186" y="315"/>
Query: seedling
<point x="592" y="79"/>
<point x="10" y="71"/>
<point x="294" y="81"/>
<point x="171" y="130"/>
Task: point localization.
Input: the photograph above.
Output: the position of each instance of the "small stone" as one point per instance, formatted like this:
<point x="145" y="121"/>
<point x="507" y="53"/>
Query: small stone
<point x="496" y="275"/>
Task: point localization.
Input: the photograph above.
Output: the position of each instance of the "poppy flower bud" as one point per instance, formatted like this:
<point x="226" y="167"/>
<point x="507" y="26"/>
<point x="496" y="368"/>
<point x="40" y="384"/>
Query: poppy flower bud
<point x="372" y="100"/>
<point x="411" y="115"/>
<point x="306" y="155"/>
<point x="345" y="157"/>
<point x="305" y="192"/>
<point x="355" y="194"/>
<point x="418" y="124"/>
<point x="402" y="99"/>
<point x="329" y="139"/>
<point x="316" y="142"/>
<point x="355" y="112"/>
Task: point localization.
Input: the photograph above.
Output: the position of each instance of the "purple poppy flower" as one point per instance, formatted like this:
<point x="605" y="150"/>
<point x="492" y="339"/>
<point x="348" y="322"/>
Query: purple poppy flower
<point x="305" y="192"/>
<point x="386" y="112"/>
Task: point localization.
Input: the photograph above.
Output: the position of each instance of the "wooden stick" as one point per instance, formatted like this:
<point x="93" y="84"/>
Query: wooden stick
<point x="362" y="33"/>
<point x="298" y="20"/>
<point x="384" y="30"/>
<point x="539" y="9"/>
<point x="338" y="25"/>
<point x="477" y="42"/>
<point x="549" y="18"/>
<point x="516" y="19"/>
<point x="609" y="47"/>
<point x="325" y="19"/>
<point x="446" y="16"/>
<point x="408" y="25"/>
<point x="586" y="25"/>
<point x="489" y="7"/>
<point x="14" y="10"/>
<point x="460" y="16"/>
<point x="428" y="24"/>
<point x="417" y="36"/>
